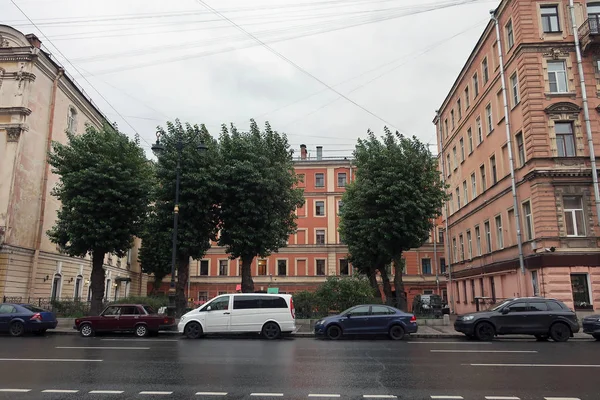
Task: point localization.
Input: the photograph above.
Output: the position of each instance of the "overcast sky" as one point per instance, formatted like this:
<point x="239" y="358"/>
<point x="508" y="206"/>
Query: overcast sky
<point x="155" y="60"/>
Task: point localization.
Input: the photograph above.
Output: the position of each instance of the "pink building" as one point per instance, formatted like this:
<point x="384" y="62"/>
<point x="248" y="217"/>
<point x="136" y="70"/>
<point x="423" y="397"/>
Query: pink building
<point x="554" y="191"/>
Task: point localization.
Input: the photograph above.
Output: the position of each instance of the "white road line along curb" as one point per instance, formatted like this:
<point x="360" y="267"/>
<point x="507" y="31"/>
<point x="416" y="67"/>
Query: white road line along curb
<point x="211" y="394"/>
<point x="483" y="351"/>
<point x="539" y="365"/>
<point x="561" y="398"/>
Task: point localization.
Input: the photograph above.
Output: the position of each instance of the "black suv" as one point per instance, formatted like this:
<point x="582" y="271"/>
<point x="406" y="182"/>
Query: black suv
<point x="536" y="316"/>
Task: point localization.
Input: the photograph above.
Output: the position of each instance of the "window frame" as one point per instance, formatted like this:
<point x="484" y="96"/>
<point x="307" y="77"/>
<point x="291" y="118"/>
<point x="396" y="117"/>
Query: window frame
<point x="494" y="169"/>
<point x="558" y="74"/>
<point x="282" y="260"/>
<point x="317" y="261"/>
<point x="488" y="236"/>
<point x="548" y="18"/>
<point x="514" y="85"/>
<point x="324" y="214"/>
<point x="470" y="140"/>
<point x="499" y="232"/>
<point x="563" y="141"/>
<point x="520" y="148"/>
<point x="475" y="80"/>
<point x="345" y="180"/>
<point x="473" y="186"/>
<point x="317" y="231"/>
<point x="317" y="174"/>
<point x="485" y="73"/>
<point x="461" y="144"/>
<point x="510" y="35"/>
<point x="489" y="118"/>
<point x="527" y="220"/>
<point x="423" y="265"/>
<point x="226" y="266"/>
<point x="469" y="244"/>
<point x="479" y="130"/>
<point x="466" y="192"/>
<point x="573" y="216"/>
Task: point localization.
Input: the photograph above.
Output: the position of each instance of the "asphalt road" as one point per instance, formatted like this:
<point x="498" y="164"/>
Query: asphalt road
<point x="246" y="368"/>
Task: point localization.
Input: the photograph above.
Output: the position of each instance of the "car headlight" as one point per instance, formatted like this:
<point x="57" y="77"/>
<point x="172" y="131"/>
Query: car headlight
<point x="182" y="318"/>
<point x="319" y="322"/>
<point x="468" y="318"/>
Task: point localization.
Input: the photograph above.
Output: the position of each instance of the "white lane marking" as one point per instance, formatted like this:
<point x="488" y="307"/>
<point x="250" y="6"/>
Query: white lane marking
<point x="483" y="351"/>
<point x="102" y="348"/>
<point x="379" y="396"/>
<point x="470" y="343"/>
<point x="323" y="395"/>
<point x="105" y="392"/>
<point x="211" y="394"/>
<point x="59" y="391"/>
<point x="15" y="390"/>
<point x="267" y="394"/>
<point x="502" y="398"/>
<point x="447" y="397"/>
<point x="50" y="359"/>
<point x="536" y="365"/>
<point x="562" y="398"/>
<point x="155" y="392"/>
<point x="140" y="340"/>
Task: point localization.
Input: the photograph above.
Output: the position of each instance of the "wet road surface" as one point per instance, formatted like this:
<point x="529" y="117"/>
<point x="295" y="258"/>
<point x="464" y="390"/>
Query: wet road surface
<point x="123" y="367"/>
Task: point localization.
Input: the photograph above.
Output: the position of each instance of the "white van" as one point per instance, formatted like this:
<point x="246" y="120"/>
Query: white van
<point x="268" y="314"/>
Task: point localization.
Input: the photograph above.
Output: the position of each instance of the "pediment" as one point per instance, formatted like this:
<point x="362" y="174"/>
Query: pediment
<point x="563" y="107"/>
<point x="10" y="37"/>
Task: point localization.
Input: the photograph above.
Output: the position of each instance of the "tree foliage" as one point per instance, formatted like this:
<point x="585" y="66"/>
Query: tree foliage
<point x="391" y="206"/>
<point x="104" y="191"/>
<point x="259" y="195"/>
<point x="198" y="204"/>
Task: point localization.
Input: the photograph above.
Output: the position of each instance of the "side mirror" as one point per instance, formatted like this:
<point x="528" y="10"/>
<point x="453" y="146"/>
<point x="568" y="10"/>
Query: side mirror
<point x="505" y="310"/>
<point x="348" y="315"/>
<point x="208" y="308"/>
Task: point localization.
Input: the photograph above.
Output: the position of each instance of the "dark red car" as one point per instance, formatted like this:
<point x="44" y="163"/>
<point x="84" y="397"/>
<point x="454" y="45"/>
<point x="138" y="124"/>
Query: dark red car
<point x="137" y="318"/>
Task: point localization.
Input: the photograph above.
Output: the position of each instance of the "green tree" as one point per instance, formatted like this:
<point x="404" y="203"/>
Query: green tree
<point x="400" y="193"/>
<point x="198" y="204"/>
<point x="104" y="191"/>
<point x="259" y="195"/>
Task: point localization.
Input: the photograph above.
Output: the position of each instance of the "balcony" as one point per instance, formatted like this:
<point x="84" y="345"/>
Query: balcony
<point x="589" y="32"/>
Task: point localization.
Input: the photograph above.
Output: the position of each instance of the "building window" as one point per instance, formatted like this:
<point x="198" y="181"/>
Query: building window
<point x="426" y="266"/>
<point x="485" y="72"/>
<point x="469" y="245"/>
<point x="528" y="217"/>
<point x="344" y="270"/>
<point x="478" y="240"/>
<point x="573" y="209"/>
<point x="78" y="287"/>
<point x="557" y="77"/>
<point x="494" y="171"/>
<point x="442" y="265"/>
<point x="455" y="157"/>
<point x="465" y="192"/>
<point x="550" y="21"/>
<point x="202" y="297"/>
<point x="473" y="185"/>
<point x="448" y="162"/>
<point x="223" y="267"/>
<point x="535" y="283"/>
<point x="467" y="99"/>
<point x="488" y="118"/>
<point x="320" y="180"/>
<point x="452" y="118"/>
<point x="203" y="267"/>
<point x="457" y="292"/>
<point x="342" y="179"/>
<point x="446" y="126"/>
<point x="451" y="202"/>
<point x="510" y="36"/>
<point x="319" y="208"/>
<point x="483" y="180"/>
<point x="457" y="198"/>
<point x="475" y="85"/>
<point x="462" y="149"/>
<point x="488" y="236"/>
<point x="514" y="84"/>
<point x="565" y="140"/>
<point x="465" y="290"/>
<point x="440" y="235"/>
<point x="107" y="287"/>
<point x="461" y="239"/>
<point x="493" y="289"/>
<point x="481" y="290"/>
<point x="459" y="108"/>
<point x="455" y="252"/>
<point x="340" y="204"/>
<point x="499" y="233"/>
<point x="520" y="148"/>
<point x="320" y="267"/>
<point x="473" y="289"/>
<point x="470" y="140"/>
<point x="282" y="267"/>
<point x="262" y="267"/>
<point x="320" y="236"/>
<point x="479" y="131"/>
<point x="56" y="287"/>
<point x="72" y="120"/>
<point x="581" y="292"/>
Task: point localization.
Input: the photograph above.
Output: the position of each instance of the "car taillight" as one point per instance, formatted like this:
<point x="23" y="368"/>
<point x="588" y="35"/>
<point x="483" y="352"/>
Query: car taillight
<point x="413" y="319"/>
<point x="167" y="321"/>
<point x="77" y="321"/>
<point x="292" y="309"/>
<point x="36" y="317"/>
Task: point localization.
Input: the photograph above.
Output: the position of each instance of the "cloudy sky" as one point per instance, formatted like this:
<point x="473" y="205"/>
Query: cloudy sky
<point x="155" y="60"/>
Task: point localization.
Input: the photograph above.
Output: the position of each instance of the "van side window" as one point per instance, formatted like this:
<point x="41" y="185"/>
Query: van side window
<point x="554" y="306"/>
<point x="245" y="302"/>
<point x="273" y="302"/>
<point x="221" y="303"/>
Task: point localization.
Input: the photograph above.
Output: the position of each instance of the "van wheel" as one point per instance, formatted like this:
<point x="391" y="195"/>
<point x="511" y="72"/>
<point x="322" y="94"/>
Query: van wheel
<point x="396" y="332"/>
<point x="334" y="332"/>
<point x="193" y="330"/>
<point x="485" y="331"/>
<point x="560" y="332"/>
<point x="271" y="331"/>
<point x="141" y="331"/>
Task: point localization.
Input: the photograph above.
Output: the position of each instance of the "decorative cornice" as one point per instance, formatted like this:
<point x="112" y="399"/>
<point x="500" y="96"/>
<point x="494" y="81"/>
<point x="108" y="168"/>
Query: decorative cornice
<point x="556" y="52"/>
<point x="15" y="110"/>
<point x="563" y="107"/>
<point x="13" y="131"/>
<point x="558" y="173"/>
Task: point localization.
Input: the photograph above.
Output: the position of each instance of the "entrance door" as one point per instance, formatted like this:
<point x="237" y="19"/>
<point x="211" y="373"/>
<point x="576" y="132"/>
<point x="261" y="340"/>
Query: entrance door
<point x="219" y="315"/>
<point x="581" y="292"/>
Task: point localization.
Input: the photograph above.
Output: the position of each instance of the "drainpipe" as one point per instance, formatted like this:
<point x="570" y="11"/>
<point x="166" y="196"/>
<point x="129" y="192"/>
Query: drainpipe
<point x="435" y="263"/>
<point x="44" y="187"/>
<point x="510" y="153"/>
<point x="447" y="232"/>
<point x="586" y="112"/>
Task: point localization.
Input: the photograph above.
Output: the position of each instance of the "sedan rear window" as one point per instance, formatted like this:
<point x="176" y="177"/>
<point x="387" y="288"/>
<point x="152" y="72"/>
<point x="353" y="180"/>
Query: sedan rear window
<point x="149" y="309"/>
<point x="555" y="306"/>
<point x="33" y="308"/>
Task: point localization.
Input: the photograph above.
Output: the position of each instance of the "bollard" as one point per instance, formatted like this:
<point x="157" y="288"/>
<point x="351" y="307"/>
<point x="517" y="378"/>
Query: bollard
<point x="446" y="319"/>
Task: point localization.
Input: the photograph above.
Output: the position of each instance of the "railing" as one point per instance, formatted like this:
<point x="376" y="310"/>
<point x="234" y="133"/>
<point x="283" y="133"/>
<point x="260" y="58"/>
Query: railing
<point x="71" y="307"/>
<point x="589" y="29"/>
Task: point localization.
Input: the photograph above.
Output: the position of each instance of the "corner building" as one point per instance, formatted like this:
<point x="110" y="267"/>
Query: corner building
<point x="551" y="159"/>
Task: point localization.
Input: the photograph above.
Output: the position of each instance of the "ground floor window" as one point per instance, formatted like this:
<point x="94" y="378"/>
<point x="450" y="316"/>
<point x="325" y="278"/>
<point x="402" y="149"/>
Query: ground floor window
<point x="535" y="283"/>
<point x="581" y="292"/>
<point x="202" y="296"/>
<point x="427" y="291"/>
<point x="262" y="267"/>
<point x="56" y="286"/>
<point x="320" y="267"/>
<point x="344" y="270"/>
<point x="445" y="296"/>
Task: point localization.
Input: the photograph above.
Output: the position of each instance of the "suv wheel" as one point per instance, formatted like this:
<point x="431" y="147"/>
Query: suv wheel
<point x="560" y="332"/>
<point x="485" y="331"/>
<point x="334" y="332"/>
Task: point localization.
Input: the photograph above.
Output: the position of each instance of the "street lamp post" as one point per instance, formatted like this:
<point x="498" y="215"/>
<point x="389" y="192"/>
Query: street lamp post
<point x="157" y="149"/>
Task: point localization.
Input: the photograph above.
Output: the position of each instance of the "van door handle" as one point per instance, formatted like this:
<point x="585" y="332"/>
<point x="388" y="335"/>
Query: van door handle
<point x="226" y="313"/>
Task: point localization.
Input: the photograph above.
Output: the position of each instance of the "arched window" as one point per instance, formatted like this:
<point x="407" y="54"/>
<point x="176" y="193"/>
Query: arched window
<point x="56" y="287"/>
<point x="78" y="288"/>
<point x="72" y="120"/>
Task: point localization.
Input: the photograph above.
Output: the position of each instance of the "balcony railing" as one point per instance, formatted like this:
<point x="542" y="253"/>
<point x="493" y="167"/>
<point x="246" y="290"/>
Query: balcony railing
<point x="589" y="31"/>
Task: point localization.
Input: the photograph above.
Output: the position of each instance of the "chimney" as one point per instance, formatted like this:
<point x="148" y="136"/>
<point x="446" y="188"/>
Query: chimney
<point x="319" y="152"/>
<point x="34" y="40"/>
<point x="303" y="152"/>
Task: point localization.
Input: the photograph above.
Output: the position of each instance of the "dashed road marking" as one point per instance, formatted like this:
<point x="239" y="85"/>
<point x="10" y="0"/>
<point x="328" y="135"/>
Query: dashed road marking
<point x="158" y="393"/>
<point x="447" y="397"/>
<point x="468" y="343"/>
<point x="15" y="390"/>
<point x="561" y="398"/>
<point x="379" y="396"/>
<point x="538" y="365"/>
<point x="105" y="392"/>
<point x="267" y="394"/>
<point x="502" y="398"/>
<point x="483" y="351"/>
<point x="323" y="395"/>
<point x="60" y="391"/>
<point x="140" y="340"/>
<point x="211" y="394"/>
<point x="101" y="348"/>
<point x="50" y="359"/>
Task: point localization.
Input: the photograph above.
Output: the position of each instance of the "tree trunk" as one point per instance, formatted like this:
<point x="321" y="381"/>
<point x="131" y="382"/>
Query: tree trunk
<point x="183" y="268"/>
<point x="247" y="282"/>
<point x="387" y="288"/>
<point x="97" y="283"/>
<point x="399" y="284"/>
<point x="372" y="275"/>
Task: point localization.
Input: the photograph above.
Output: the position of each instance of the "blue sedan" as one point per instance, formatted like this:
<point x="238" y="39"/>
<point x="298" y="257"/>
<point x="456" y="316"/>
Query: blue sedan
<point x="367" y="319"/>
<point x="18" y="319"/>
